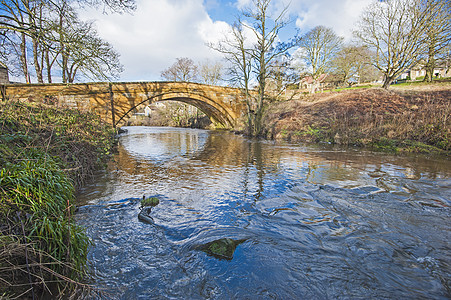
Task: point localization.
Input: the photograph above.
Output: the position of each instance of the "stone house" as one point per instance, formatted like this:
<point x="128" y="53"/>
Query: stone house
<point x="441" y="70"/>
<point x="312" y="85"/>
<point x="4" y="78"/>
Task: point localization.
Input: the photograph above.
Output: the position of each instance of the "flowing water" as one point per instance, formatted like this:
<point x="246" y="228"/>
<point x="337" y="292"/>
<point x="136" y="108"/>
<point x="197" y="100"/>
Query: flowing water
<point x="314" y="222"/>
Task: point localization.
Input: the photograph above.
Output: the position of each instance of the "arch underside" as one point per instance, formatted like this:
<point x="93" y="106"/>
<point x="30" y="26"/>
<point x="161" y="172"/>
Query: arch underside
<point x="214" y="111"/>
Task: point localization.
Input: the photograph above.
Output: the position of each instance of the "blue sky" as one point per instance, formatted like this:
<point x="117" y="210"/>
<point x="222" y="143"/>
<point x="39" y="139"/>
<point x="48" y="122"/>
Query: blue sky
<point x="159" y="31"/>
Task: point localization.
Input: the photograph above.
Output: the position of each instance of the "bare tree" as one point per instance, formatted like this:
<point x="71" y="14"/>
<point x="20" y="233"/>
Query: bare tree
<point x="255" y="60"/>
<point x="184" y="69"/>
<point x="238" y="57"/>
<point x="352" y="65"/>
<point x="210" y="73"/>
<point x="14" y="17"/>
<point x="438" y="33"/>
<point x="318" y="48"/>
<point x="395" y="31"/>
<point x="107" y="6"/>
<point x="82" y="51"/>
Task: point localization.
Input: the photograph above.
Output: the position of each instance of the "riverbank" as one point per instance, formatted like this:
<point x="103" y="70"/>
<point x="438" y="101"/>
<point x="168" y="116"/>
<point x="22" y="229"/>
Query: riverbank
<point x="45" y="154"/>
<point x="405" y="118"/>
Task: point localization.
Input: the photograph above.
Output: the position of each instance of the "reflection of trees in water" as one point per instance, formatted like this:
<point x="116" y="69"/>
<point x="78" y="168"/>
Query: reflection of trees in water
<point x="254" y="158"/>
<point x="195" y="157"/>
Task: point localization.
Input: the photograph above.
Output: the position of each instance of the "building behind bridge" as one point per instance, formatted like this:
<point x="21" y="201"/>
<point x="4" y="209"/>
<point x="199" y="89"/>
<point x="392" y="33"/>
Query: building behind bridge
<point x="4" y="78"/>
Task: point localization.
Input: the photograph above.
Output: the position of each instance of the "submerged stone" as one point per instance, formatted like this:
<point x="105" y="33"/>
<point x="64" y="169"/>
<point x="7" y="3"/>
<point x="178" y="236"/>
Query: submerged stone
<point x="222" y="248"/>
<point x="144" y="215"/>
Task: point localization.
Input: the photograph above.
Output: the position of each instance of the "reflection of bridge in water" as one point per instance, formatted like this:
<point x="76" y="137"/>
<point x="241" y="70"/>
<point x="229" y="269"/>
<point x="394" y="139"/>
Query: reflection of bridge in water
<point x="116" y="102"/>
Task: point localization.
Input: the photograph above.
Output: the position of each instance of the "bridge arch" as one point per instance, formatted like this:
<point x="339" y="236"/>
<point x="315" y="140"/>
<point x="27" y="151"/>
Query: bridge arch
<point x="114" y="102"/>
<point x="215" y="112"/>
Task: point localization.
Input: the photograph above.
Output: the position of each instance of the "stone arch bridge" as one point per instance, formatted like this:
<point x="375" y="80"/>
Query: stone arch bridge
<point x="116" y="102"/>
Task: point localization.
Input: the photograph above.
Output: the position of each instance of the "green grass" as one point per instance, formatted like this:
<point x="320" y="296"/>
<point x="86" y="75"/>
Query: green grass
<point x="419" y="82"/>
<point x="45" y="153"/>
<point x="356" y="87"/>
<point x="406" y="146"/>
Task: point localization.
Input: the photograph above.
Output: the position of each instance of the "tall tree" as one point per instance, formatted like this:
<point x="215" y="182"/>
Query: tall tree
<point x="255" y="60"/>
<point x="184" y="69"/>
<point x="352" y="65"/>
<point x="318" y="48"/>
<point x="238" y="57"/>
<point x="395" y="31"/>
<point x="82" y="51"/>
<point x="438" y="33"/>
<point x="15" y="17"/>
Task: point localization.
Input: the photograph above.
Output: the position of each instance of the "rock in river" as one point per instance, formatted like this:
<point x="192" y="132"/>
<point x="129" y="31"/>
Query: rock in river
<point x="222" y="248"/>
<point x="146" y="208"/>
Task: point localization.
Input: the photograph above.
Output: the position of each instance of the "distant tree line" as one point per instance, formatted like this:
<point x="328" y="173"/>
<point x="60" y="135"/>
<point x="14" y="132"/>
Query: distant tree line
<point x="185" y="69"/>
<point x="44" y="40"/>
<point x="391" y="37"/>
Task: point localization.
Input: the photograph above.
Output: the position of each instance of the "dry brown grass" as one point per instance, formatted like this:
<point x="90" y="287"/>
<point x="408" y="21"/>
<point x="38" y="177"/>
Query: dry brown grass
<point x="367" y="117"/>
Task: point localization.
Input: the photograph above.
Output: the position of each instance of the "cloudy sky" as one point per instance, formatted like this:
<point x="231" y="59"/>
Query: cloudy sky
<point x="152" y="37"/>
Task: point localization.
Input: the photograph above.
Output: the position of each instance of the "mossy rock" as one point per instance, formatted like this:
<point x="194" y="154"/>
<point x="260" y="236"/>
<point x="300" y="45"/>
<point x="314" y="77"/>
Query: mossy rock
<point x="150" y="201"/>
<point x="222" y="248"/>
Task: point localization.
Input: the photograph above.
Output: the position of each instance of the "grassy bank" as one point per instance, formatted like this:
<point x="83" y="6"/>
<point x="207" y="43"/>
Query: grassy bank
<point x="45" y="154"/>
<point x="401" y="119"/>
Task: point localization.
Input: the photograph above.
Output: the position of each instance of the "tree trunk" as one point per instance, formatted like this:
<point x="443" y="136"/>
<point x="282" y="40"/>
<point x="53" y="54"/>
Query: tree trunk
<point x="49" y="66"/>
<point x="64" y="65"/>
<point x="23" y="58"/>
<point x="429" y="74"/>
<point x="37" y="65"/>
<point x="387" y="82"/>
<point x="64" y="55"/>
<point x="35" y="43"/>
<point x="429" y="67"/>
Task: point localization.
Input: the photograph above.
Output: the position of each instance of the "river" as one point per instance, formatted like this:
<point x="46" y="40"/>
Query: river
<point x="313" y="222"/>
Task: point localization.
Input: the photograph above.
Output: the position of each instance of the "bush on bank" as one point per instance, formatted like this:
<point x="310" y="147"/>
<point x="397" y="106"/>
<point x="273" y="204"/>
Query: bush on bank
<point x="45" y="153"/>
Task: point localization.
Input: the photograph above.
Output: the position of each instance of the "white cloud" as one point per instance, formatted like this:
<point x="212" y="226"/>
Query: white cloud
<point x="340" y="15"/>
<point x="213" y="32"/>
<point x="159" y="31"/>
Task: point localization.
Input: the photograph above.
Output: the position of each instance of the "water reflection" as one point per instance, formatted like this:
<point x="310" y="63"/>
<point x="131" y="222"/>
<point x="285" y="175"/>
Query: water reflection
<point x="316" y="222"/>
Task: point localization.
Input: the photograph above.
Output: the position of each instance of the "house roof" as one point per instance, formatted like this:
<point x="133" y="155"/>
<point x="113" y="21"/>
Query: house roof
<point x="2" y="65"/>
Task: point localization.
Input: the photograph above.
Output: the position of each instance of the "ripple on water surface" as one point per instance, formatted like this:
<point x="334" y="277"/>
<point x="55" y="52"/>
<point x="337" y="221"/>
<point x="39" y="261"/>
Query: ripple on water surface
<point x="312" y="222"/>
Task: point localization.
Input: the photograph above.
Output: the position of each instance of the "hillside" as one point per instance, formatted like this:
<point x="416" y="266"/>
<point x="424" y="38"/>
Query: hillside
<point x="406" y="118"/>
